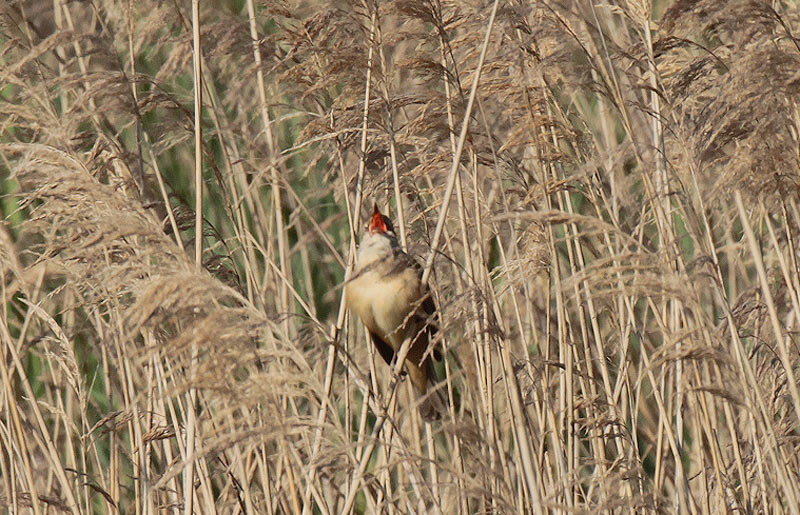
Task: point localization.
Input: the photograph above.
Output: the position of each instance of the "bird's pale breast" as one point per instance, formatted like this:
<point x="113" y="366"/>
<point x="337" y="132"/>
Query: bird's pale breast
<point x="383" y="302"/>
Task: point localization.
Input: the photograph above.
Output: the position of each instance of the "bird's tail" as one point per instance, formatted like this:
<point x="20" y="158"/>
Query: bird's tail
<point x="433" y="404"/>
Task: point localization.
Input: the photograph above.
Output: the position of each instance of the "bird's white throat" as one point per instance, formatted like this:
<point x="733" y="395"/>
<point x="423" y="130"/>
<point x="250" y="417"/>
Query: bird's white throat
<point x="374" y="246"/>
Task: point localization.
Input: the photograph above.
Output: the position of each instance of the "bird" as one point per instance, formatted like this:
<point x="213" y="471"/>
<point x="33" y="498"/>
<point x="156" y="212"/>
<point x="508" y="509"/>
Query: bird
<point x="387" y="293"/>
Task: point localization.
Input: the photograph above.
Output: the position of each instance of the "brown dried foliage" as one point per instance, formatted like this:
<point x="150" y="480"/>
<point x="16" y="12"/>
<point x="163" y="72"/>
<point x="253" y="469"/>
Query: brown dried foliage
<point x="617" y="277"/>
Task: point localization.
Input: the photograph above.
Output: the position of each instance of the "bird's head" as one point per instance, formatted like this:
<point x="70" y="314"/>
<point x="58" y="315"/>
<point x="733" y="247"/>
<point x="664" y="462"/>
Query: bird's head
<point x="380" y="224"/>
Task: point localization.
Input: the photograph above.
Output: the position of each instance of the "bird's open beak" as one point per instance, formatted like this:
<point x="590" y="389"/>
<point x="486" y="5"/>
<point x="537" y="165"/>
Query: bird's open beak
<point x="377" y="224"/>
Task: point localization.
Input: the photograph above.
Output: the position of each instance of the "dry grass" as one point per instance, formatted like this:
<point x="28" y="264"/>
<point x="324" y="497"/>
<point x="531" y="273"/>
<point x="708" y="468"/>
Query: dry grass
<point x="610" y="191"/>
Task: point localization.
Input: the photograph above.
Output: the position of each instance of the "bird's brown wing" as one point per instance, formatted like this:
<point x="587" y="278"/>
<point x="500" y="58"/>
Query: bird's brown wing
<point x="403" y="262"/>
<point x="427" y="304"/>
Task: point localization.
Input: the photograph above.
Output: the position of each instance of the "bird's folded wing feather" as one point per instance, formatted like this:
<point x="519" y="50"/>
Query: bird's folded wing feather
<point x="405" y="261"/>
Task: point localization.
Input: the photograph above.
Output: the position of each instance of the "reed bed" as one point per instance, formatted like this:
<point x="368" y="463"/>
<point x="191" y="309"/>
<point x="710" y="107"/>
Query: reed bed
<point x="605" y="196"/>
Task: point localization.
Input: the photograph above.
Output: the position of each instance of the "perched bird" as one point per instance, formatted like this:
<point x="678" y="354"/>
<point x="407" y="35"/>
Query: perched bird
<point x="387" y="294"/>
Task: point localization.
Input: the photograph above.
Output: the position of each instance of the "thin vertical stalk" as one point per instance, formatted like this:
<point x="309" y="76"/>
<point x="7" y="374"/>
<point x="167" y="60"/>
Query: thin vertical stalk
<point x="191" y="422"/>
<point x="451" y="180"/>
